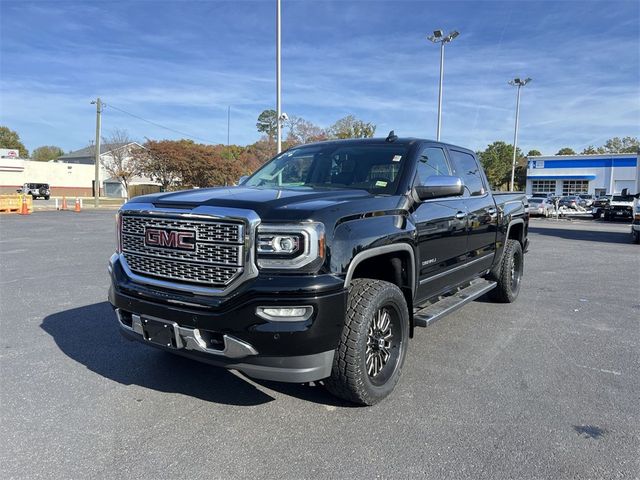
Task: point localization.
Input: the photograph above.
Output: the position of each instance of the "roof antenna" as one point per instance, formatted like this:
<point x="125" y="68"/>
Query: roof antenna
<point x="392" y="137"/>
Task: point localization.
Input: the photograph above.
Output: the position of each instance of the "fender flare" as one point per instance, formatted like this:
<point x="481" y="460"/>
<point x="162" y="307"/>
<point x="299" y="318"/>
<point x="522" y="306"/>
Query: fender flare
<point x="513" y="222"/>
<point x="374" y="252"/>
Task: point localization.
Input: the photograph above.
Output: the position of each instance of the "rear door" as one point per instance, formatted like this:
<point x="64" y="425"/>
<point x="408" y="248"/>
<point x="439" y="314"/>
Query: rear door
<point x="441" y="226"/>
<point x="483" y="214"/>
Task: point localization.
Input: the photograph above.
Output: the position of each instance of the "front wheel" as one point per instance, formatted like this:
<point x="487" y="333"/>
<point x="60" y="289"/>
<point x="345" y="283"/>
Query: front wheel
<point x="373" y="345"/>
<point x="509" y="276"/>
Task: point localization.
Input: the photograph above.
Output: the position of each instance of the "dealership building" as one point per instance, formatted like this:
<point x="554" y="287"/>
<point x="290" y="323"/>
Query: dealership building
<point x="575" y="174"/>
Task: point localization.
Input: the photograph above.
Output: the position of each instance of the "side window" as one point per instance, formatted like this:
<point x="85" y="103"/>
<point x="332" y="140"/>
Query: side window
<point x="467" y="168"/>
<point x="432" y="162"/>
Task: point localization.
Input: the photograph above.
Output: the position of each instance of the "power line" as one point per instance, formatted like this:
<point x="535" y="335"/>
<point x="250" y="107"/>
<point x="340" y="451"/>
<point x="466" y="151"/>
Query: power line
<point x="188" y="135"/>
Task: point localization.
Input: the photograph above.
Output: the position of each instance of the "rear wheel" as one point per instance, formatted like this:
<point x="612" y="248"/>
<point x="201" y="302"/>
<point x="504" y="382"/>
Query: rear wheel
<point x="509" y="275"/>
<point x="636" y="236"/>
<point x="373" y="345"/>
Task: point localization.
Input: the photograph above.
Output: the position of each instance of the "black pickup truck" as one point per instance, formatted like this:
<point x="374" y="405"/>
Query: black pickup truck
<point x="320" y="265"/>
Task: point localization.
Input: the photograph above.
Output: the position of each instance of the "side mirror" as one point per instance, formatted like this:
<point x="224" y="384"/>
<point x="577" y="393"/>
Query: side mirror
<point x="242" y="179"/>
<point x="439" y="187"/>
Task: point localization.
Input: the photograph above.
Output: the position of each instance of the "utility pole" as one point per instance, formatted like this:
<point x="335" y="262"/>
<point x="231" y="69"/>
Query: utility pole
<point x="438" y="37"/>
<point x="96" y="189"/>
<point x="278" y="79"/>
<point x="516" y="82"/>
<point x="228" y="124"/>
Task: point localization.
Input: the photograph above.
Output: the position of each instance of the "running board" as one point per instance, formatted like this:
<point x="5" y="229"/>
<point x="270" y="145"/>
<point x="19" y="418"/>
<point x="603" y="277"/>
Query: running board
<point x="428" y="315"/>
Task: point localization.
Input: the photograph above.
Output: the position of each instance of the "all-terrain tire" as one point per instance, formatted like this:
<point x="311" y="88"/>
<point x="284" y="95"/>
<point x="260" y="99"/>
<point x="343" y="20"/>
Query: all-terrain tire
<point x="509" y="275"/>
<point x="351" y="378"/>
<point x="636" y="236"/>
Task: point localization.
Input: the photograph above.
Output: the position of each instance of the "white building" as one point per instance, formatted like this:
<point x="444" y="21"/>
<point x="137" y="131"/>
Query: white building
<point x="72" y="174"/>
<point x="572" y="174"/>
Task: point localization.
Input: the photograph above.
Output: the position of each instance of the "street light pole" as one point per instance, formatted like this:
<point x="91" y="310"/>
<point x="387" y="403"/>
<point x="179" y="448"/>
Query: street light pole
<point x="278" y="79"/>
<point x="438" y="37"/>
<point x="96" y="188"/>
<point x="440" y="91"/>
<point x="517" y="82"/>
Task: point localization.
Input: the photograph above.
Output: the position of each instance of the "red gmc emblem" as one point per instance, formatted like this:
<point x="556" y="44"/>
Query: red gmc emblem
<point x="183" y="240"/>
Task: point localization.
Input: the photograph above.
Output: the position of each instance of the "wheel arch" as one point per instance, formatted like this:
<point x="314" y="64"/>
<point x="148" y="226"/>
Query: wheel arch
<point x="398" y="257"/>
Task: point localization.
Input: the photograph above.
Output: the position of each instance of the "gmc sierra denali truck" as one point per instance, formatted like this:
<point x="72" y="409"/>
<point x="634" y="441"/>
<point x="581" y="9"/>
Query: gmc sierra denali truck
<point x="320" y="265"/>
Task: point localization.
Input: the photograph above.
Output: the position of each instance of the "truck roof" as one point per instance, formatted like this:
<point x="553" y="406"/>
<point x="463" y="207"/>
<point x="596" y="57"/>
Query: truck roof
<point x="408" y="141"/>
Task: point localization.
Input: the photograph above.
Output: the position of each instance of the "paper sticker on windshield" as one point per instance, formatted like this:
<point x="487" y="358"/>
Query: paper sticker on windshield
<point x="397" y="158"/>
<point x="380" y="183"/>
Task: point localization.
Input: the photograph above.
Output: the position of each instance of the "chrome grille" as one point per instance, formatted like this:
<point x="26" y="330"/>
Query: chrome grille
<point x="211" y="231"/>
<point x="217" y="260"/>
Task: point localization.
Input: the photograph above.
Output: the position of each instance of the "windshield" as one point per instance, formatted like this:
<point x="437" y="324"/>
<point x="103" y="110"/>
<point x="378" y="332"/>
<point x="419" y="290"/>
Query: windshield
<point x="375" y="168"/>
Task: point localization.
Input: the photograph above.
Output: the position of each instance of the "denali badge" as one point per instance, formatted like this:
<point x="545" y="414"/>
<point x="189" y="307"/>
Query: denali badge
<point x="184" y="240"/>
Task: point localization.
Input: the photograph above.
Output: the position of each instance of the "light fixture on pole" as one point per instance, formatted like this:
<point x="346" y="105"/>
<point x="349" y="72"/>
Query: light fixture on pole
<point x="516" y="82"/>
<point x="278" y="79"/>
<point x="439" y="37"/>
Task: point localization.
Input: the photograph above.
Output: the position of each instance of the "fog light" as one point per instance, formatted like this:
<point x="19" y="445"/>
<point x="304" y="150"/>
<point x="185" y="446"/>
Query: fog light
<point x="284" y="314"/>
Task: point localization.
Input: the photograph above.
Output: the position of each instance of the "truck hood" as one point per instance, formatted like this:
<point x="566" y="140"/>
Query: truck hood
<point x="270" y="204"/>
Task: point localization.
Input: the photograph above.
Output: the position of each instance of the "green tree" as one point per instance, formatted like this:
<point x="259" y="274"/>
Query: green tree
<point x="591" y="150"/>
<point x="566" y="151"/>
<point x="496" y="160"/>
<point x="10" y="139"/>
<point x="621" y="145"/>
<point x="351" y="127"/>
<point x="268" y="123"/>
<point x="534" y="153"/>
<point x="46" y="153"/>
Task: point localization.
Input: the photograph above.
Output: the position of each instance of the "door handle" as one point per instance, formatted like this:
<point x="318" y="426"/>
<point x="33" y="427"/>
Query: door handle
<point x="461" y="215"/>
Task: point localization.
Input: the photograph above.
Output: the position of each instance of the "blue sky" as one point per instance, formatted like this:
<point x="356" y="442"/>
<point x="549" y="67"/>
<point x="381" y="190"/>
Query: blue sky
<point x="181" y="63"/>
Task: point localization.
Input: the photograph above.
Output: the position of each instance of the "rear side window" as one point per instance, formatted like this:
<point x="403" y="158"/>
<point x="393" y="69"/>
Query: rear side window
<point x="467" y="168"/>
<point x="432" y="162"/>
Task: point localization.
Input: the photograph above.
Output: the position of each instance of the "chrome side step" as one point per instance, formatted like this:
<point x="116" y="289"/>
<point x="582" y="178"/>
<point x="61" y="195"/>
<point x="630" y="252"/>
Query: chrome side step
<point x="435" y="311"/>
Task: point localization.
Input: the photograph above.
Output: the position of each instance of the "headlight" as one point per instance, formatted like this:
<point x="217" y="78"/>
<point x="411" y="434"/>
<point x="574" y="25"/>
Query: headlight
<point x="290" y="246"/>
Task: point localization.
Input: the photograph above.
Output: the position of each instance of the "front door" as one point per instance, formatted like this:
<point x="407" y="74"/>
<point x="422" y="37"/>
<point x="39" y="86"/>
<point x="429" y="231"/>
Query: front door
<point x="442" y="229"/>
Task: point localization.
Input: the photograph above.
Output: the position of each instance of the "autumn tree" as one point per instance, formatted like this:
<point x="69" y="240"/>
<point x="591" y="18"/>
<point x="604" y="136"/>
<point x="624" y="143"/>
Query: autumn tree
<point x="119" y="161"/>
<point x="566" y="151"/>
<point x="351" y="127"/>
<point x="159" y="160"/>
<point x="10" y="139"/>
<point x="46" y="153"/>
<point x="302" y="131"/>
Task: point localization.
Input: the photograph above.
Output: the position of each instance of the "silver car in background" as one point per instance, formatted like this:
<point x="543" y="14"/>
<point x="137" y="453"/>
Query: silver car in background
<point x="540" y="206"/>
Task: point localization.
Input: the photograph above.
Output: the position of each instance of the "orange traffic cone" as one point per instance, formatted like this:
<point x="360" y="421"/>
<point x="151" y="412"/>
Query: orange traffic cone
<point x="77" y="207"/>
<point x="24" y="210"/>
<point x="64" y="203"/>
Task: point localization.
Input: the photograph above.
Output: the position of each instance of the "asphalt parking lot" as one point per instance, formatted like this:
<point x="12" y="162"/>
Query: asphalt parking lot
<point x="547" y="387"/>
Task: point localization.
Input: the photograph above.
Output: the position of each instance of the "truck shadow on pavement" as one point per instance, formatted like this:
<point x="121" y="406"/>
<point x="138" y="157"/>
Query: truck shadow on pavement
<point x="584" y="235"/>
<point x="90" y="336"/>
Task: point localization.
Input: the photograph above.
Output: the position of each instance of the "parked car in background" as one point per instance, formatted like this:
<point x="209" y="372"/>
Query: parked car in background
<point x="573" y="202"/>
<point x="588" y="199"/>
<point x="635" y="226"/>
<point x="620" y="206"/>
<point x="540" y="206"/>
<point x="36" y="190"/>
<point x="599" y="203"/>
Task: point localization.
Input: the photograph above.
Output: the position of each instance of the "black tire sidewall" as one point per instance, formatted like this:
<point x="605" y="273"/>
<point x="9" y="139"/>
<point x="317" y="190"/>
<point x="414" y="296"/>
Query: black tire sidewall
<point x="390" y="296"/>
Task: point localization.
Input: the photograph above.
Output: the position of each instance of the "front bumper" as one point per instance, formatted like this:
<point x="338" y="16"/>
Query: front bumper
<point x="227" y="332"/>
